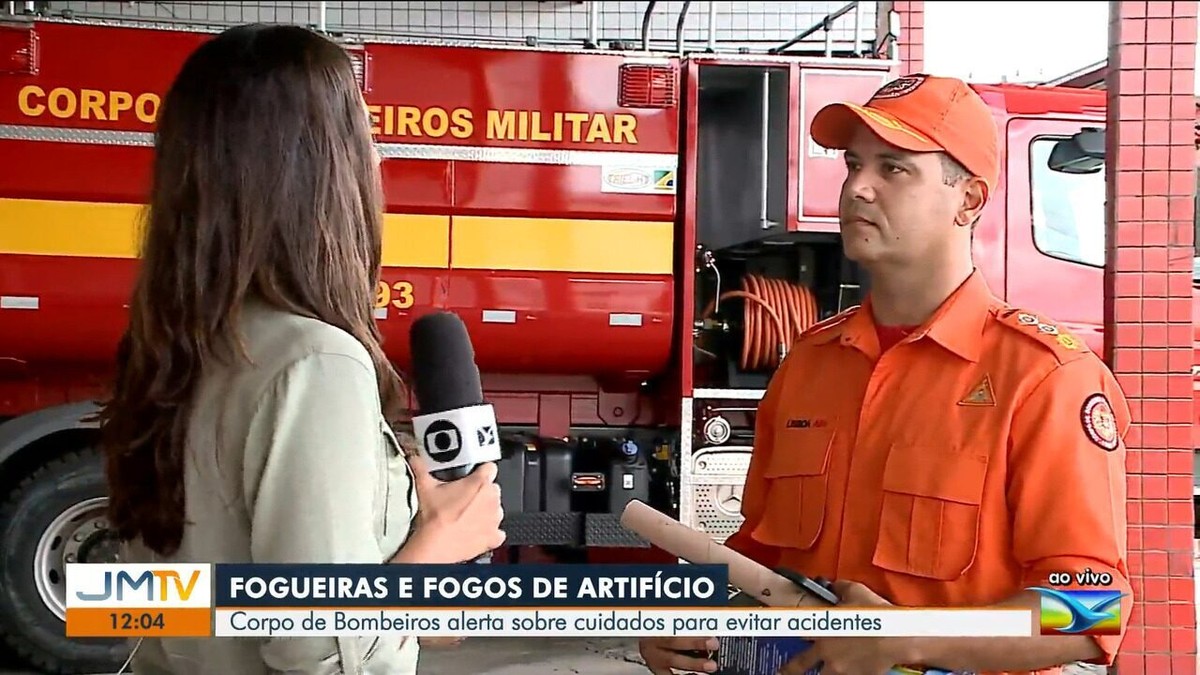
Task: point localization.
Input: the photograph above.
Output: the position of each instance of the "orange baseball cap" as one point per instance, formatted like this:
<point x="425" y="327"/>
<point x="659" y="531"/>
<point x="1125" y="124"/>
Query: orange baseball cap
<point x="921" y="113"/>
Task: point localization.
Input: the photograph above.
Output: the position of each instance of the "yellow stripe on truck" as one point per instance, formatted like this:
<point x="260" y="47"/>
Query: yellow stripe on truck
<point x="416" y="240"/>
<point x="562" y="245"/>
<point x="102" y="230"/>
<point x="92" y="229"/>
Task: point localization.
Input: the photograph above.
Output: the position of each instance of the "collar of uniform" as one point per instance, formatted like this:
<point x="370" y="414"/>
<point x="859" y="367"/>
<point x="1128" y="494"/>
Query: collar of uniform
<point x="957" y="325"/>
<point x="857" y="330"/>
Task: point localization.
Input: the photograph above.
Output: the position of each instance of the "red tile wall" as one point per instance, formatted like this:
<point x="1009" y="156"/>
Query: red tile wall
<point x="912" y="35"/>
<point x="1148" y="300"/>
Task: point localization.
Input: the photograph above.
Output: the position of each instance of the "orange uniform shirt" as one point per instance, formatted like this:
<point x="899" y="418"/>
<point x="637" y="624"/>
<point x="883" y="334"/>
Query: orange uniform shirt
<point x="966" y="463"/>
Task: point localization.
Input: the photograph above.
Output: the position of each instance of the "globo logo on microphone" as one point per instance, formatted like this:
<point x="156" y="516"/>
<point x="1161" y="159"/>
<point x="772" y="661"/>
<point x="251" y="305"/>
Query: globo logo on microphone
<point x="459" y="437"/>
<point x="443" y="441"/>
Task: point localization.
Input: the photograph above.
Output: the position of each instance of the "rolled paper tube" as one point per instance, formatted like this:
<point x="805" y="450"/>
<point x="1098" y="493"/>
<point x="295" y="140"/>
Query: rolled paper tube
<point x="753" y="579"/>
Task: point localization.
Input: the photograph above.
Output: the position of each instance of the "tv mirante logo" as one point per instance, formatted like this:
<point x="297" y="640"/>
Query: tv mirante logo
<point x="1080" y="612"/>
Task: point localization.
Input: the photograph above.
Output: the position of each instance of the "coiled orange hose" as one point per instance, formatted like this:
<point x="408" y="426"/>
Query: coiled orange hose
<point x="775" y="313"/>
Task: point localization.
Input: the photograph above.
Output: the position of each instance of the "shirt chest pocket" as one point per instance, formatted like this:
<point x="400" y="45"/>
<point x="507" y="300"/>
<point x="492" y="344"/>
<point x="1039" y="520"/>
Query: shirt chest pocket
<point x="796" y="483"/>
<point x="930" y="511"/>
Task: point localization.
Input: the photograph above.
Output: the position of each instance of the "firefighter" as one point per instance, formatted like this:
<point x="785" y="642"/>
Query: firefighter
<point x="933" y="447"/>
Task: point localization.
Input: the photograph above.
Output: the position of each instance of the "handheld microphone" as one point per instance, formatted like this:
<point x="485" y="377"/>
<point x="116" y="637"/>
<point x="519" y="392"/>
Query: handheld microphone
<point x="456" y="429"/>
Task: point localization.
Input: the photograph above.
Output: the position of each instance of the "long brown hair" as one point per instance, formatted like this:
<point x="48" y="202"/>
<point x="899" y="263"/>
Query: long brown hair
<point x="265" y="185"/>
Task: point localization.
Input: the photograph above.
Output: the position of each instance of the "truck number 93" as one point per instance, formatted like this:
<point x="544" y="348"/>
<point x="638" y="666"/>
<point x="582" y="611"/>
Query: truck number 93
<point x="398" y="295"/>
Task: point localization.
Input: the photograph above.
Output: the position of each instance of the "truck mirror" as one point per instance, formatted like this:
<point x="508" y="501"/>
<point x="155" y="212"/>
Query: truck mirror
<point x="1081" y="153"/>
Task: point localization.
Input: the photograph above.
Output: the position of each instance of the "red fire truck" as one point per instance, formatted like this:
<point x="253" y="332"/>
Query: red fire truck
<point x="632" y="239"/>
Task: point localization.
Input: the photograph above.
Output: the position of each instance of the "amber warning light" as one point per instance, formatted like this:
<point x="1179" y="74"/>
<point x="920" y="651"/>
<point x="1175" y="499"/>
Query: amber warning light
<point x="587" y="482"/>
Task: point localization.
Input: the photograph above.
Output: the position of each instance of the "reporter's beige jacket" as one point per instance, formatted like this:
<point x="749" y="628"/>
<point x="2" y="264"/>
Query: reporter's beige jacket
<point x="290" y="461"/>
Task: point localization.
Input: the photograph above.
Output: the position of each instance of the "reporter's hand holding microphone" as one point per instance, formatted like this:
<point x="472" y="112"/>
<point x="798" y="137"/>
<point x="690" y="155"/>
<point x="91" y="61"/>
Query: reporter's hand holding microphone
<point x="456" y="521"/>
<point x="459" y="508"/>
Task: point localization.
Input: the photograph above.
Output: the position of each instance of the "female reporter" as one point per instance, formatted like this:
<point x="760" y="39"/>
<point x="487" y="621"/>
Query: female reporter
<point x="249" y="420"/>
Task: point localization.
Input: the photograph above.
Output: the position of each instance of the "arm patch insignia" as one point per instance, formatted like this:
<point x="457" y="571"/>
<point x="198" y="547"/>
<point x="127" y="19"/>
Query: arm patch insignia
<point x="1099" y="422"/>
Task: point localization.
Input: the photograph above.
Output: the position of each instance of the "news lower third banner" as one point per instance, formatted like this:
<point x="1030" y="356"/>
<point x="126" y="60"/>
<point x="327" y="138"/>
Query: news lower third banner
<point x="262" y="601"/>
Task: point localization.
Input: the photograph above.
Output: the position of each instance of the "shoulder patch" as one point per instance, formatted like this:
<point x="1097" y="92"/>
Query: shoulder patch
<point x="1061" y="342"/>
<point x="1099" y="422"/>
<point x="826" y="324"/>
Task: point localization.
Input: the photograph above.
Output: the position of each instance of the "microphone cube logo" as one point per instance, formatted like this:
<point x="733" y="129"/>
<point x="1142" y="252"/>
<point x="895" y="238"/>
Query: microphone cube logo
<point x="1080" y="612"/>
<point x="487" y="436"/>
<point x="443" y="441"/>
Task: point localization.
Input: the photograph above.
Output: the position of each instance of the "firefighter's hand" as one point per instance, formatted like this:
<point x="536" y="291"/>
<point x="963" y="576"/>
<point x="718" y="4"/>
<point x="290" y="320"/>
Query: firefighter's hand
<point x="663" y="654"/>
<point x="851" y="656"/>
<point x="854" y="594"/>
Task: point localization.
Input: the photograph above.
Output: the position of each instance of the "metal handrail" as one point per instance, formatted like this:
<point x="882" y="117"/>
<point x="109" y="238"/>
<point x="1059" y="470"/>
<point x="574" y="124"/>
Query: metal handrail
<point x="646" y="25"/>
<point x="826" y="24"/>
<point x="324" y="19"/>
<point x="679" y="26"/>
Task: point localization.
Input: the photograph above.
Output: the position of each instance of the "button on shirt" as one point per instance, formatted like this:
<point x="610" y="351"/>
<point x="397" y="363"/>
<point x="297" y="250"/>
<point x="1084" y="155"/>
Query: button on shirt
<point x="969" y="461"/>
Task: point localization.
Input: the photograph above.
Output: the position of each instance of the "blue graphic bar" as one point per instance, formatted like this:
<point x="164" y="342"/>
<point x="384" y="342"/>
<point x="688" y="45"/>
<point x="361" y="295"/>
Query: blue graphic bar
<point x="471" y="585"/>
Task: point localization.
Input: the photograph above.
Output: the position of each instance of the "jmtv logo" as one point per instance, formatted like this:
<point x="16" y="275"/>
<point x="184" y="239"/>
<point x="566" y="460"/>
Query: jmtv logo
<point x="143" y="585"/>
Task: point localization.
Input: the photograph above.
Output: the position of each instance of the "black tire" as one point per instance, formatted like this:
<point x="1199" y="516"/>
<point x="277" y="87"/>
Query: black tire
<point x="27" y="624"/>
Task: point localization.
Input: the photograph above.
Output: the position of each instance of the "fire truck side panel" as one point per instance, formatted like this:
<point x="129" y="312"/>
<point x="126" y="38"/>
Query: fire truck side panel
<point x="820" y="168"/>
<point x="418" y="185"/>
<point x="67" y="172"/>
<point x="555" y="191"/>
<point x="95" y="77"/>
<point x="67" y="239"/>
<point x="519" y="193"/>
<point x="534" y="249"/>
<point x="468" y="96"/>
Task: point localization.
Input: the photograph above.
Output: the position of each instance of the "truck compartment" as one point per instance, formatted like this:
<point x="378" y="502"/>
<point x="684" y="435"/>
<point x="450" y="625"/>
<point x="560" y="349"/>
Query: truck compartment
<point x="571" y="492"/>
<point x="753" y="300"/>
<point x="742" y="153"/>
<point x="758" y="285"/>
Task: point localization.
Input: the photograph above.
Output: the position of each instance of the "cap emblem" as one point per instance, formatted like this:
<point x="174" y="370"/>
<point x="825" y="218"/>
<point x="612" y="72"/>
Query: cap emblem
<point x="899" y="87"/>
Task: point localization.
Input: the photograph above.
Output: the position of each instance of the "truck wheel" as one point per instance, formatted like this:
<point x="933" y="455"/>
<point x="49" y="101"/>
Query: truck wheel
<point x="55" y="516"/>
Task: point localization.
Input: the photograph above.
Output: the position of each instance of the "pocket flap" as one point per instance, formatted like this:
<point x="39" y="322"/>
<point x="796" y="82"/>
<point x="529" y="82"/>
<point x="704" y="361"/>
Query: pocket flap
<point x="937" y="473"/>
<point x="803" y="453"/>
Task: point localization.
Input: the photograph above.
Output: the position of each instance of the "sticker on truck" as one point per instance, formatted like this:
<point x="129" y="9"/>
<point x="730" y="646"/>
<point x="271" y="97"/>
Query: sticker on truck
<point x="637" y="180"/>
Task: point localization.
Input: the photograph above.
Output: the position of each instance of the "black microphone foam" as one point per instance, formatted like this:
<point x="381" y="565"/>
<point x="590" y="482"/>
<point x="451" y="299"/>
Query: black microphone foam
<point x="445" y="376"/>
<point x="455" y="427"/>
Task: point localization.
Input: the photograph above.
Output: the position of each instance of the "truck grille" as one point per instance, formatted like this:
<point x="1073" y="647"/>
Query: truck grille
<point x="18" y="50"/>
<point x="647" y="86"/>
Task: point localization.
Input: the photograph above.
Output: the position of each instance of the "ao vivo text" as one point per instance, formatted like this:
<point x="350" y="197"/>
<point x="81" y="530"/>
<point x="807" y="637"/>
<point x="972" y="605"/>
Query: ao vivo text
<point x="1085" y="578"/>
